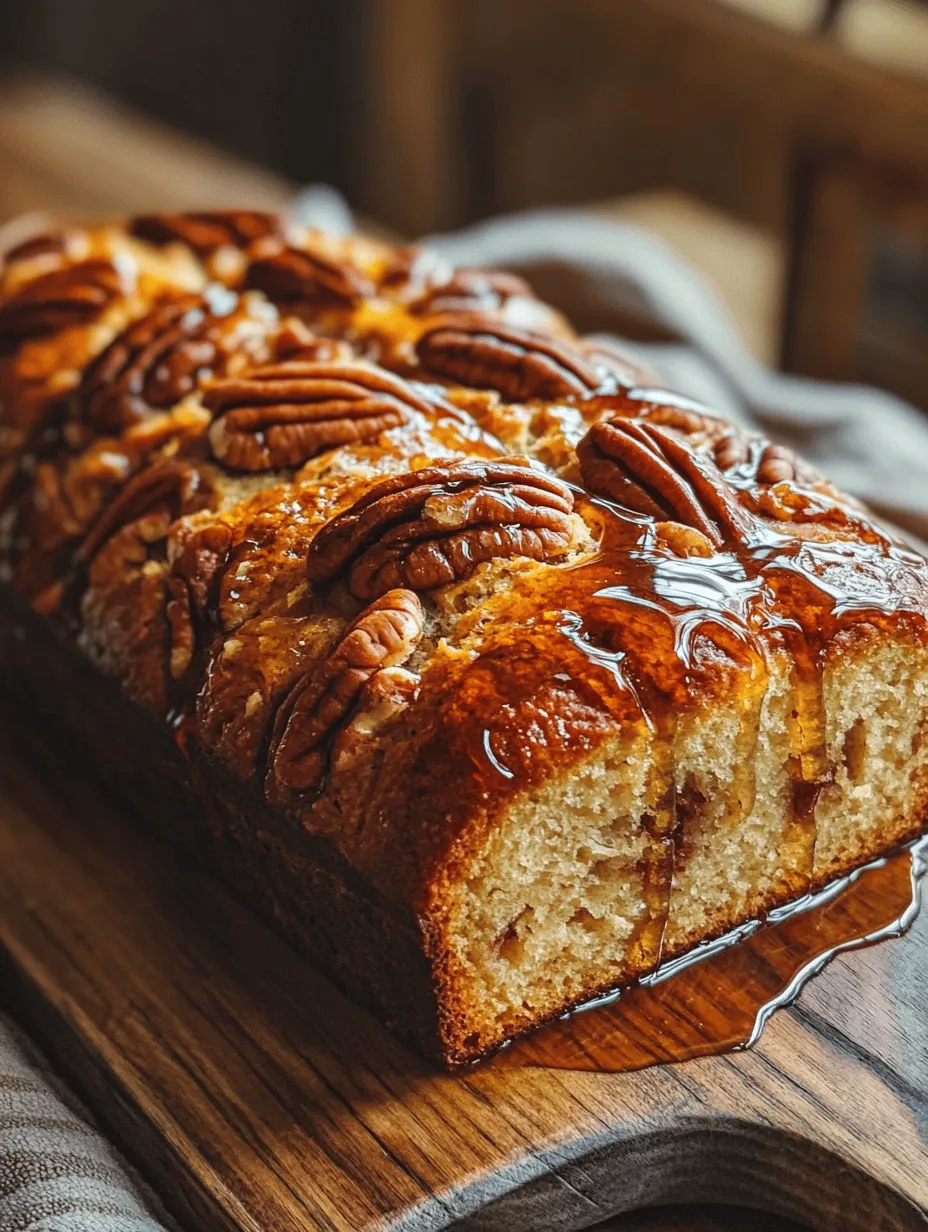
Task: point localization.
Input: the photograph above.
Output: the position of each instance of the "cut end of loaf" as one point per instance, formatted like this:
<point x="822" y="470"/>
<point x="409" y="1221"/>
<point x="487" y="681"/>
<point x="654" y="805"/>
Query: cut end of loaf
<point x="560" y="904"/>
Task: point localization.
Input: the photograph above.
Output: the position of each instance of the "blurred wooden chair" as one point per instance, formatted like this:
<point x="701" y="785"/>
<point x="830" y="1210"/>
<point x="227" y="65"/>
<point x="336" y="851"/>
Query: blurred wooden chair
<point x="857" y="297"/>
<point x="479" y="106"/>
<point x="483" y="106"/>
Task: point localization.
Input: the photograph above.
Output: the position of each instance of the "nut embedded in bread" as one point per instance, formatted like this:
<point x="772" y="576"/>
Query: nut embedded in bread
<point x="507" y="678"/>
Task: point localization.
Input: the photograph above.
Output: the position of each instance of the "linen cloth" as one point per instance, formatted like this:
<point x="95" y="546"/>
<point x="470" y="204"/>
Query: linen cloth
<point x="57" y="1172"/>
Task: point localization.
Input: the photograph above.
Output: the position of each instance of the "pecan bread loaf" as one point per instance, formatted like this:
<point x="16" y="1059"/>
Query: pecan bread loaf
<point x="500" y="675"/>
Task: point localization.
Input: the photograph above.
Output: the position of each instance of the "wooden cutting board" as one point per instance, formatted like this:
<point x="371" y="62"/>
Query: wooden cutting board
<point x="254" y="1096"/>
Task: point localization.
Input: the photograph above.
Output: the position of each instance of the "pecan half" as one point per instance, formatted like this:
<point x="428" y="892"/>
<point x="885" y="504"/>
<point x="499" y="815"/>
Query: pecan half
<point x="669" y="410"/>
<point x="58" y="299"/>
<point x="383" y="636"/>
<point x="192" y="585"/>
<point x="755" y="461"/>
<point x="281" y="415"/>
<point x="205" y="232"/>
<point x="472" y="290"/>
<point x="286" y="273"/>
<point x="434" y="526"/>
<point x="775" y="483"/>
<point x="153" y="363"/>
<point x="167" y="490"/>
<point x="478" y="351"/>
<point x="47" y="244"/>
<point x="777" y="464"/>
<point x="647" y="468"/>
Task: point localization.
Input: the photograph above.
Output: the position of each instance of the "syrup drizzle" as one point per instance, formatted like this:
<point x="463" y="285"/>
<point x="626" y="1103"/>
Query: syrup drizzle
<point x="720" y="996"/>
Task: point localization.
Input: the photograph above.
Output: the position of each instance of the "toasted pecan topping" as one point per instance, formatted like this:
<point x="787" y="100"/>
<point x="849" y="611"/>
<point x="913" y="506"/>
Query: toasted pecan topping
<point x="670" y="410"/>
<point x="281" y="415"/>
<point x="205" y="232"/>
<point x="169" y="489"/>
<point x="472" y="290"/>
<point x="732" y="451"/>
<point x="683" y="540"/>
<point x="191" y="588"/>
<point x="152" y="364"/>
<point x="756" y="461"/>
<point x="383" y="636"/>
<point x="56" y="300"/>
<point x="295" y="340"/>
<point x="286" y="273"/>
<point x="476" y="350"/>
<point x="411" y="271"/>
<point x="47" y="244"/>
<point x="646" y="468"/>
<point x="427" y="528"/>
<point x="777" y="464"/>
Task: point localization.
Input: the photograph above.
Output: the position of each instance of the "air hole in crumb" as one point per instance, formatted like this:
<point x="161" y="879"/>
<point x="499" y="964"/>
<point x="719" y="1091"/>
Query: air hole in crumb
<point x="510" y="944"/>
<point x="584" y="919"/>
<point x="854" y="751"/>
<point x="690" y="812"/>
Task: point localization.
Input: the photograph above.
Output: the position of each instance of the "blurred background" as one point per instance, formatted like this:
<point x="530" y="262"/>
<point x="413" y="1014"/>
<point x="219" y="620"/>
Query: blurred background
<point x="779" y="145"/>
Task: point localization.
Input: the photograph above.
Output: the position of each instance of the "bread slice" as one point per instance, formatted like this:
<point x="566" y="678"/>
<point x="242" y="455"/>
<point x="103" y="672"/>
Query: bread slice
<point x="501" y="676"/>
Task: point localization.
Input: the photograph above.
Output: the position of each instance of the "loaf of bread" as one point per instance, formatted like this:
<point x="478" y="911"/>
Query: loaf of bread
<point x="499" y="674"/>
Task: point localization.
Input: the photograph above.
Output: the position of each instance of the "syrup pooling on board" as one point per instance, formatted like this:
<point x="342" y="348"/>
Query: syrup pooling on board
<point x="720" y="997"/>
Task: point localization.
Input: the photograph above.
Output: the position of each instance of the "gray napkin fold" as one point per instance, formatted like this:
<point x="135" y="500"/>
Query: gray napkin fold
<point x="57" y="1172"/>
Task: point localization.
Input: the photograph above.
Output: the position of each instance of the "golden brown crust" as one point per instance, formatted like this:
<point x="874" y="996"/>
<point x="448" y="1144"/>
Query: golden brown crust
<point x="389" y="542"/>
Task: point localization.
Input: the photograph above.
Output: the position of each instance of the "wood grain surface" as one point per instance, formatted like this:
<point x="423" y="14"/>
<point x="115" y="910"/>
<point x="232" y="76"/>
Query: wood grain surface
<point x="254" y="1096"/>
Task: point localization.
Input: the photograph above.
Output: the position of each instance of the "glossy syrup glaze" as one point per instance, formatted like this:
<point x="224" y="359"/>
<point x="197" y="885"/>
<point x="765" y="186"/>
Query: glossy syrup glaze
<point x="640" y="633"/>
<point x="720" y="997"/>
